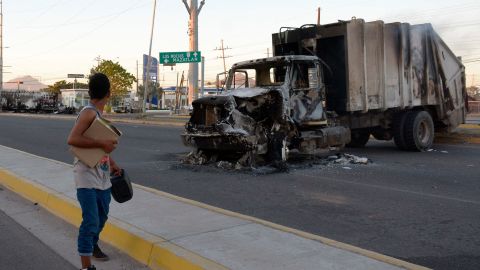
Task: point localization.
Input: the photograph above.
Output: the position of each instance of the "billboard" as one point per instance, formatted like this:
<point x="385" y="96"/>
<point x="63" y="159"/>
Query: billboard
<point x="153" y="69"/>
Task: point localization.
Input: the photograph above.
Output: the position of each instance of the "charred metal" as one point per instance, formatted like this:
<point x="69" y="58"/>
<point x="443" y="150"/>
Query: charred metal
<point x="262" y="120"/>
<point x="329" y="86"/>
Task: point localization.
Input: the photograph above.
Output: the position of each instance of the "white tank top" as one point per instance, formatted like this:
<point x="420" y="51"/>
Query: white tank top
<point x="97" y="177"/>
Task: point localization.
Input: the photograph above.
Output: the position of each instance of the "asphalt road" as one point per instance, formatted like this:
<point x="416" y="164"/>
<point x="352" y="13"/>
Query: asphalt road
<point x="20" y="250"/>
<point x="420" y="207"/>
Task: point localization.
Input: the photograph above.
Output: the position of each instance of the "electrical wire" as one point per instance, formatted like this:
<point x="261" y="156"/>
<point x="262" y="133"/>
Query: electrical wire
<point x="96" y="28"/>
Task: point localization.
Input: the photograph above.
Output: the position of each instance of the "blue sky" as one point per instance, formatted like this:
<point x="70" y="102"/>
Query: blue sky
<point x="50" y="38"/>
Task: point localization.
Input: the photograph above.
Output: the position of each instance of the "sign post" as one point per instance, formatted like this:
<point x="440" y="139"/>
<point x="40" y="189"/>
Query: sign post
<point x="168" y="58"/>
<point x="173" y="58"/>
<point x="75" y="77"/>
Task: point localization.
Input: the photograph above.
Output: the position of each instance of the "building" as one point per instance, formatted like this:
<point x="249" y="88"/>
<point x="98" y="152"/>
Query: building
<point x="76" y="98"/>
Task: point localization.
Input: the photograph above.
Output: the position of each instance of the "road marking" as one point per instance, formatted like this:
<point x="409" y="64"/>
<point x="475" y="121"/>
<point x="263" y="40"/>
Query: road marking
<point x="391" y="189"/>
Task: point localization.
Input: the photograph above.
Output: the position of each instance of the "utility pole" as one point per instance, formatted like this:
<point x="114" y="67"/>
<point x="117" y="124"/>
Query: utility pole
<point x="268" y="52"/>
<point x="193" y="10"/>
<point x="149" y="61"/>
<point x="318" y="16"/>
<point x="1" y="53"/>
<point x="136" y="93"/>
<point x="223" y="48"/>
<point x="203" y="75"/>
<point x="98" y="59"/>
<point x="18" y="85"/>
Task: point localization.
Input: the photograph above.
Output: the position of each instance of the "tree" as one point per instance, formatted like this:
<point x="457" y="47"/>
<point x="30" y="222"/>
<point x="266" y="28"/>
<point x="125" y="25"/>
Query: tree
<point x="120" y="79"/>
<point x="57" y="86"/>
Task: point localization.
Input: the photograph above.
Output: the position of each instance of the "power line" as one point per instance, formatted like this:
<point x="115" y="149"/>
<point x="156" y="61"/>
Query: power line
<point x="107" y="17"/>
<point x="96" y="28"/>
<point x="222" y="48"/>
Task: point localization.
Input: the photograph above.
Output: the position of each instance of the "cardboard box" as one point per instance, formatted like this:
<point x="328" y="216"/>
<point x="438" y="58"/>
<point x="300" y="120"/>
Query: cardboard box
<point x="100" y="129"/>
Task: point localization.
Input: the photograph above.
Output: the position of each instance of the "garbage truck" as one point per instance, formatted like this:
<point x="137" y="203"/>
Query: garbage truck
<point x="330" y="86"/>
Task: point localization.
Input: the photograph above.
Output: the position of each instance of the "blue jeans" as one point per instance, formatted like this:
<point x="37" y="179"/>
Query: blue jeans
<point x="95" y="205"/>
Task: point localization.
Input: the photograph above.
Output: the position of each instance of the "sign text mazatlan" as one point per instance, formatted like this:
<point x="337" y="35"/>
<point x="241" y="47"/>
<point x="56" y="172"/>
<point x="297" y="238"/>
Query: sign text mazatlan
<point x="180" y="57"/>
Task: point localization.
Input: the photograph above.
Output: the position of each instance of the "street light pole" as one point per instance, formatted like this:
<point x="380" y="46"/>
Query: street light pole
<point x="149" y="61"/>
<point x="1" y="53"/>
<point x="18" y="85"/>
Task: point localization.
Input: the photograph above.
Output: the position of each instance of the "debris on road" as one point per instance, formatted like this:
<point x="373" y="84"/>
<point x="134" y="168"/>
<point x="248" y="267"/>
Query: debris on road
<point x="340" y="160"/>
<point x="344" y="159"/>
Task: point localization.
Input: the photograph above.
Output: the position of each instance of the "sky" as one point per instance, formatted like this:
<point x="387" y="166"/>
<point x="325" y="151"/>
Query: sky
<point x="49" y="39"/>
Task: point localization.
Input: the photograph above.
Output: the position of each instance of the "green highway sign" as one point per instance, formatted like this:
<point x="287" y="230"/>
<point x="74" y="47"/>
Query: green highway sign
<point x="180" y="57"/>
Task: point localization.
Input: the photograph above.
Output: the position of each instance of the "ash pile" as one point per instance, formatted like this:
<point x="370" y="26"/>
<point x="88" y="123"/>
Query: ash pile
<point x="296" y="162"/>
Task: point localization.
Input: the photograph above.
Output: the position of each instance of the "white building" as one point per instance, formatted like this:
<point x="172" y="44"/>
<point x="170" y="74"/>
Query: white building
<point x="76" y="98"/>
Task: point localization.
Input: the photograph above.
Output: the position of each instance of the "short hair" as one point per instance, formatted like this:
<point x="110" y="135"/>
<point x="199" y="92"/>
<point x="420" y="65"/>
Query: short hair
<point x="98" y="86"/>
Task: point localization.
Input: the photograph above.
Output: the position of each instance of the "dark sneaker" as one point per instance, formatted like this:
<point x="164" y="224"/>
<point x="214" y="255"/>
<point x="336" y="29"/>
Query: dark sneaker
<point x="92" y="267"/>
<point x="98" y="254"/>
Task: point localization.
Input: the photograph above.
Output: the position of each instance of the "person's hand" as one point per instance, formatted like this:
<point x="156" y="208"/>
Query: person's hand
<point x="109" y="145"/>
<point x="115" y="170"/>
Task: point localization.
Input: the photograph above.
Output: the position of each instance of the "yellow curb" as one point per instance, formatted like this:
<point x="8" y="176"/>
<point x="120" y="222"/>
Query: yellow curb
<point x="148" y="249"/>
<point x="169" y="256"/>
<point x="473" y="140"/>
<point x="457" y="139"/>
<point x="470" y="126"/>
<point x="31" y="191"/>
<point x="324" y="240"/>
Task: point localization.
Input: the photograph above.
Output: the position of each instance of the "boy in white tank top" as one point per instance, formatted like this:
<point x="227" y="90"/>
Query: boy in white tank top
<point x="93" y="184"/>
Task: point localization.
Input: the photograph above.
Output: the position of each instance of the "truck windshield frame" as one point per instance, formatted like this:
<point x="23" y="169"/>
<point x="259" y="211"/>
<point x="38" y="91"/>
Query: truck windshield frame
<point x="266" y="75"/>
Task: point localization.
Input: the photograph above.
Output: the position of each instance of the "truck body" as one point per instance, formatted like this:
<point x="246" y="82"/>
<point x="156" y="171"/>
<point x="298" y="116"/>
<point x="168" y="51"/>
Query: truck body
<point x="331" y="85"/>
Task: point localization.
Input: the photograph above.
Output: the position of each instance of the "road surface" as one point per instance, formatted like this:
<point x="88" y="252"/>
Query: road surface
<point x="420" y="207"/>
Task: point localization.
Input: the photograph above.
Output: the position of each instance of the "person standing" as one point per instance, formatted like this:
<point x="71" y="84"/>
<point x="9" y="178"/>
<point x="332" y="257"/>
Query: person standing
<point x="93" y="184"/>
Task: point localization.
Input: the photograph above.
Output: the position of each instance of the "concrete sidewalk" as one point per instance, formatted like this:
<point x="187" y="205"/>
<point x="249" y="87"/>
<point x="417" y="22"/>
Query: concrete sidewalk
<point x="47" y="241"/>
<point x="167" y="232"/>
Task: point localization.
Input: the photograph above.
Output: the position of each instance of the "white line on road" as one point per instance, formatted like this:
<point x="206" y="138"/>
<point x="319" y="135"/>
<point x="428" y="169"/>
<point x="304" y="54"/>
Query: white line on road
<point x="392" y="189"/>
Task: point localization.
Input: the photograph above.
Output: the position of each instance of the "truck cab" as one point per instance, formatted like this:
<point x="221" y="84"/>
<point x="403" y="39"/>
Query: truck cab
<point x="270" y="107"/>
<point x="297" y="78"/>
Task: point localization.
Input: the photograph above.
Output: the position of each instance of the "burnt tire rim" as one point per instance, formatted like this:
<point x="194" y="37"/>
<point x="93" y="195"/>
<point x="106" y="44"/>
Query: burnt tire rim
<point x="424" y="133"/>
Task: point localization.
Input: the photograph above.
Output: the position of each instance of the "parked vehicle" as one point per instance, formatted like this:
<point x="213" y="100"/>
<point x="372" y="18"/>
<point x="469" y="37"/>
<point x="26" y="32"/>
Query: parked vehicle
<point x="334" y="85"/>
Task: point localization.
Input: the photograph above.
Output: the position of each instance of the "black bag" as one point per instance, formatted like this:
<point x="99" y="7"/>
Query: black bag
<point x="121" y="187"/>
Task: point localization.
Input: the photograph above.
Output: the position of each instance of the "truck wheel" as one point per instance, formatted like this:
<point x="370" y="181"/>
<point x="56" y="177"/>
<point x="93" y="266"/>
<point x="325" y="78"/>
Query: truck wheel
<point x="359" y="139"/>
<point x="399" y="129"/>
<point x="419" y="131"/>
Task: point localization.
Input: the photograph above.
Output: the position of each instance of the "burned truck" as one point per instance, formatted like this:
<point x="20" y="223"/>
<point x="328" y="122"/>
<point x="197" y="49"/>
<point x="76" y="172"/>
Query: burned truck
<point x="333" y="85"/>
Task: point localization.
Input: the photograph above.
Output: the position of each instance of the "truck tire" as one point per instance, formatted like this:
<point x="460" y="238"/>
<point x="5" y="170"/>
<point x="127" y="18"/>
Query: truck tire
<point x="399" y="129"/>
<point x="359" y="139"/>
<point x="419" y="131"/>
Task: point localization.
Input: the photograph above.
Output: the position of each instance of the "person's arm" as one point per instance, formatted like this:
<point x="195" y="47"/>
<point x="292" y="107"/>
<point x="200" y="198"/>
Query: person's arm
<point x="77" y="139"/>
<point x="114" y="168"/>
